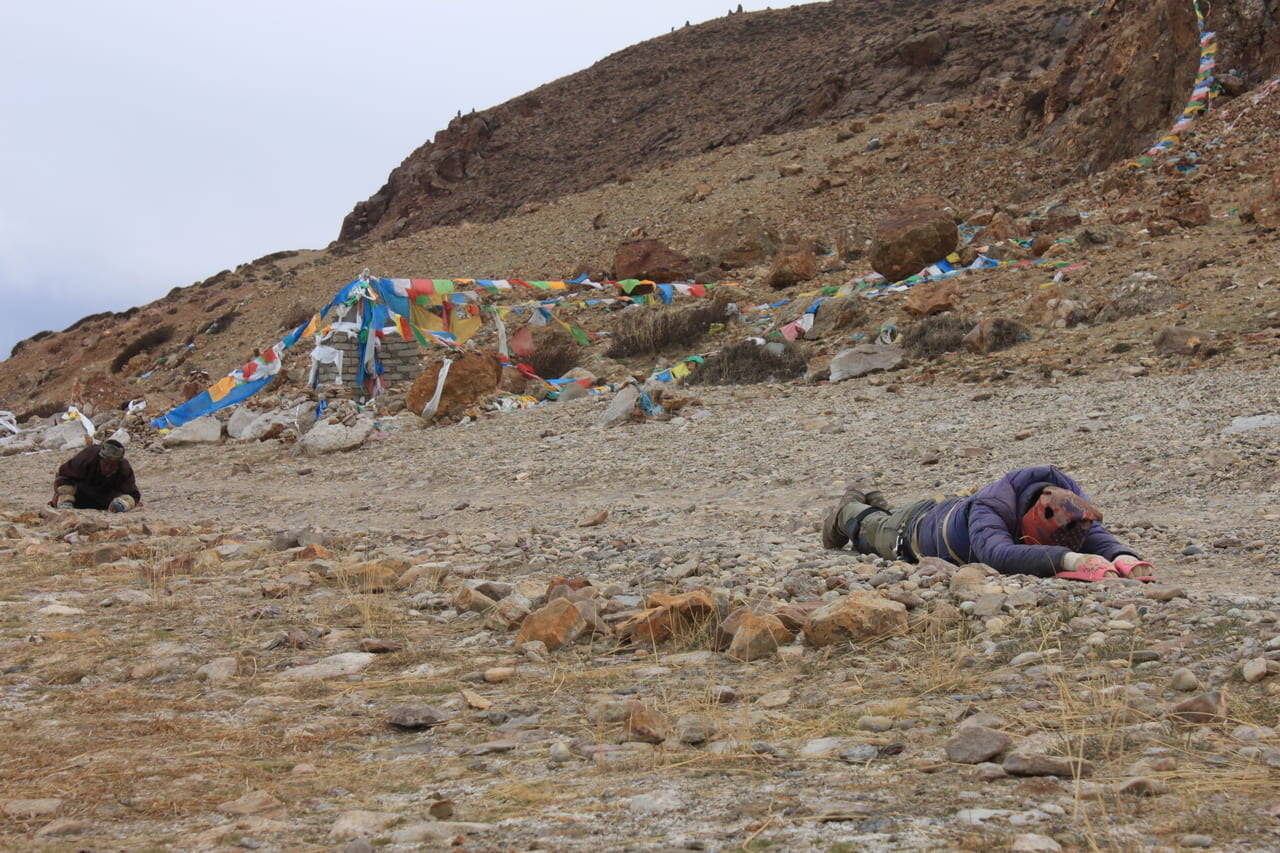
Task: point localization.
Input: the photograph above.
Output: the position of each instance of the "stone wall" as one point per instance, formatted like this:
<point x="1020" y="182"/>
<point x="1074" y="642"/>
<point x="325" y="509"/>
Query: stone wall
<point x="400" y="364"/>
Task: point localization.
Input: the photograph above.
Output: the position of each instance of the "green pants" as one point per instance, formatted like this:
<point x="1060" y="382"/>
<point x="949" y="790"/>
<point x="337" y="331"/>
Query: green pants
<point x="883" y="533"/>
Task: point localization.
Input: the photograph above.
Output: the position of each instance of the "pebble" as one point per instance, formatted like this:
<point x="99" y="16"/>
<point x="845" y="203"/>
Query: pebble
<point x="1184" y="680"/>
<point x="498" y="674"/>
<point x="859" y="753"/>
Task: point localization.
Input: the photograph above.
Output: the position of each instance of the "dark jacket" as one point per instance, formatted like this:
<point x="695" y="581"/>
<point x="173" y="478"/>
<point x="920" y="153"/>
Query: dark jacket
<point x="94" y="489"/>
<point x="986" y="527"/>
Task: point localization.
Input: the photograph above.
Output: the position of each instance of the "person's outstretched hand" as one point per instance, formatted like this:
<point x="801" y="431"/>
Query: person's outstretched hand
<point x="1087" y="567"/>
<point x="1131" y="567"/>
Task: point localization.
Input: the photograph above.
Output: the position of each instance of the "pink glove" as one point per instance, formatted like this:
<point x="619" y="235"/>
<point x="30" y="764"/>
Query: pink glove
<point x="1130" y="566"/>
<point x="1087" y="567"/>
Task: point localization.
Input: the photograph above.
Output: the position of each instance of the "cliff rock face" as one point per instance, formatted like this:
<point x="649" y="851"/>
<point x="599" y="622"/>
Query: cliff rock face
<point x="721" y="83"/>
<point x="1126" y="79"/>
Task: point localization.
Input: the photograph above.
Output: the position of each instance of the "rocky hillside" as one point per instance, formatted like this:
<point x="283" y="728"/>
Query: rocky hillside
<point x="703" y="88"/>
<point x="809" y="122"/>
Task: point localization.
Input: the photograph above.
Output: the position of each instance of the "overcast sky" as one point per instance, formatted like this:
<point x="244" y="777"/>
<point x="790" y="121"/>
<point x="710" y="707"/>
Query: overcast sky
<point x="148" y="144"/>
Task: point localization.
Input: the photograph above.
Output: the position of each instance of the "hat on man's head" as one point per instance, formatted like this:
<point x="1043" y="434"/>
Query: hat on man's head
<point x="113" y="447"/>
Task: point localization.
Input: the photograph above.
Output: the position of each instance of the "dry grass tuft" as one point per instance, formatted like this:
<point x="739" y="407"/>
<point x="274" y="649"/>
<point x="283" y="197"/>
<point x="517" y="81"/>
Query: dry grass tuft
<point x="554" y="357"/>
<point x="748" y="363"/>
<point x="935" y="335"/>
<point x="1004" y="333"/>
<point x="653" y="330"/>
<point x="144" y="343"/>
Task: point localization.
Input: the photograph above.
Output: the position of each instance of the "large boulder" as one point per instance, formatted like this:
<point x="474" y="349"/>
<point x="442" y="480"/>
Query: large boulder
<point x="919" y="233"/>
<point x="68" y="435"/>
<point x="333" y="436"/>
<point x="794" y="262"/>
<point x="863" y="359"/>
<point x="1262" y="207"/>
<point x="246" y="425"/>
<point x="858" y="617"/>
<point x="651" y="260"/>
<point x="745" y="242"/>
<point x="923" y="49"/>
<point x="471" y="377"/>
<point x="935" y="297"/>
<point x="202" y="430"/>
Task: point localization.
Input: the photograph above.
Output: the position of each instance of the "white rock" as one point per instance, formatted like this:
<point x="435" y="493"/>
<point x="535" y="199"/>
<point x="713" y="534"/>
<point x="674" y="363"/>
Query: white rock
<point x="864" y="359"/>
<point x="620" y="407"/>
<point x="655" y="802"/>
<point x="823" y="746"/>
<point x="12" y="445"/>
<point x="976" y="817"/>
<point x="334" y="666"/>
<point x="355" y="823"/>
<point x="59" y="610"/>
<point x="1030" y="842"/>
<point x="1248" y="424"/>
<point x="440" y="831"/>
<point x="218" y="670"/>
<point x="325" y="437"/>
<point x="239" y="421"/>
<point x="41" y="807"/>
<point x="69" y="435"/>
<point x="205" y="430"/>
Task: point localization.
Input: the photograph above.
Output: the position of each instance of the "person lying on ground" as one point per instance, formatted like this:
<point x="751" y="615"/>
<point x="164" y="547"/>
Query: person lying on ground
<point x="1033" y="521"/>
<point x="98" y="477"/>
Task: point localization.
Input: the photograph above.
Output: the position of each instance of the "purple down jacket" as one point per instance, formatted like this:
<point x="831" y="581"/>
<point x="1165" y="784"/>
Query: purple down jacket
<point x="986" y="527"/>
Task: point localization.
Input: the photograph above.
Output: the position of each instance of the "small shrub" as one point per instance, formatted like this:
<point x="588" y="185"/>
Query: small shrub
<point x="933" y="336"/>
<point x="1004" y="333"/>
<point x="297" y="315"/>
<point x="219" y="325"/>
<point x="84" y="321"/>
<point x="38" y="336"/>
<point x="148" y="341"/>
<point x="649" y="331"/>
<point x="747" y="363"/>
<point x="43" y="410"/>
<point x="554" y="358"/>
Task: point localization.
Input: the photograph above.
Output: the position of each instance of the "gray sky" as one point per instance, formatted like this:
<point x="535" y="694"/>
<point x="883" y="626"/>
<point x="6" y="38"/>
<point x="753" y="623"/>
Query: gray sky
<point x="148" y="144"/>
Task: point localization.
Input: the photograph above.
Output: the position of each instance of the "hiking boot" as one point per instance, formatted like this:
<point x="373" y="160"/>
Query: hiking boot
<point x="874" y="498"/>
<point x="833" y="536"/>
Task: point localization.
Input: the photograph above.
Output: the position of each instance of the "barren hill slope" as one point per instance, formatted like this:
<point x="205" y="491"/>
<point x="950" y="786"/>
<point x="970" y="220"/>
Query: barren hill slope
<point x="701" y="88"/>
<point x="691" y="131"/>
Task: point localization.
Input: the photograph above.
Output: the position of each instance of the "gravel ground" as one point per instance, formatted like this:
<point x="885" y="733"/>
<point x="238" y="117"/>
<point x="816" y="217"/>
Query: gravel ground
<point x="733" y="486"/>
<point x="752" y="469"/>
